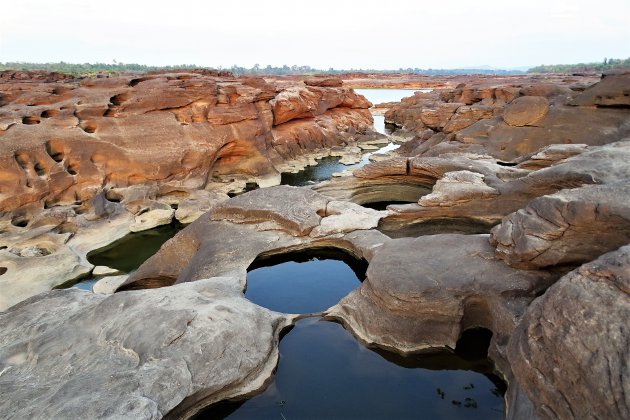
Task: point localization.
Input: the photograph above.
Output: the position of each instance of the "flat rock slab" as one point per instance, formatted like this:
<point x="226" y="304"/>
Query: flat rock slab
<point x="139" y="354"/>
<point x="291" y="209"/>
<point x="570" y="352"/>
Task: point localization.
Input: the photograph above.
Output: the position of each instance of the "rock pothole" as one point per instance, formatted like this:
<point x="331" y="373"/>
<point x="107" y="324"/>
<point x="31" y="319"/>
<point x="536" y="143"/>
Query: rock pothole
<point x="303" y="281"/>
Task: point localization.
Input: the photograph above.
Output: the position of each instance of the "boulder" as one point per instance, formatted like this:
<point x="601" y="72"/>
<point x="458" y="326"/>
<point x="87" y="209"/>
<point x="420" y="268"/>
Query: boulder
<point x="323" y="81"/>
<point x="570" y="352"/>
<point x="415" y="297"/>
<point x="294" y="210"/>
<point x="525" y="110"/>
<point x="613" y="90"/>
<point x="572" y="226"/>
<point x="108" y="285"/>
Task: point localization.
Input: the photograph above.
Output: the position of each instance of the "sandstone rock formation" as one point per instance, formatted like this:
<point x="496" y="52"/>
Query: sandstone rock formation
<point x="68" y="353"/>
<point x="570" y="352"/>
<point x="545" y="159"/>
<point x="569" y="227"/>
<point x="424" y="300"/>
<point x="508" y="122"/>
<point x="63" y="140"/>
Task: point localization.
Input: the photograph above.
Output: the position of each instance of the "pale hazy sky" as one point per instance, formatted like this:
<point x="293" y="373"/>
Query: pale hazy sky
<point x="320" y="33"/>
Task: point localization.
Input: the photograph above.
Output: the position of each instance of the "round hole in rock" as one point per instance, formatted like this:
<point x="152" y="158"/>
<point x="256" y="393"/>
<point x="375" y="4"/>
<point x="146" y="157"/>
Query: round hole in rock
<point x="30" y="120"/>
<point x="303" y="281"/>
<point x="324" y="372"/>
<point x="3" y="270"/>
<point x="19" y="221"/>
<point x="39" y="169"/>
<point x="89" y="127"/>
<point x="71" y="170"/>
<point x="49" y="113"/>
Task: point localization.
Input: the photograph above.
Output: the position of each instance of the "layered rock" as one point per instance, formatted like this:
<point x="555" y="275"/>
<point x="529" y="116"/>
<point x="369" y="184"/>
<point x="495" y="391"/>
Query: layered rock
<point x="63" y="140"/>
<point x="262" y="222"/>
<point x="416" y="298"/>
<point x="558" y="203"/>
<point x="510" y="121"/>
<point x="569" y="227"/>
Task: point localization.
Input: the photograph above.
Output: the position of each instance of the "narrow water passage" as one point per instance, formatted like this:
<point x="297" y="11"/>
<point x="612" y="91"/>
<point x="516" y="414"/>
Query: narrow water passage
<point x="324" y="373"/>
<point x="329" y="165"/>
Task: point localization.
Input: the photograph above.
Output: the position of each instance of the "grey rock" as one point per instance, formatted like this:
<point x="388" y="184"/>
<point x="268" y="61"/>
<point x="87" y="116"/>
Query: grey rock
<point x="292" y="209"/>
<point x="139" y="354"/>
<point x="423" y="292"/>
<point x="570" y="352"/>
<point x="569" y="227"/>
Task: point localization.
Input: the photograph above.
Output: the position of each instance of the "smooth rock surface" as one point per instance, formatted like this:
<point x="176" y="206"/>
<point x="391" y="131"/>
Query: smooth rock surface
<point x="416" y="296"/>
<point x="69" y="354"/>
<point x="292" y="209"/>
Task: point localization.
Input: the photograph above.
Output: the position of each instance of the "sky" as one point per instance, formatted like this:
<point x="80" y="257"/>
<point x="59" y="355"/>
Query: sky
<point x="344" y="34"/>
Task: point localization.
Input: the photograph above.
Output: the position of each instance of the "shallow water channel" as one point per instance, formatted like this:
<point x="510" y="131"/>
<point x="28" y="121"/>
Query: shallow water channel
<point x="329" y="165"/>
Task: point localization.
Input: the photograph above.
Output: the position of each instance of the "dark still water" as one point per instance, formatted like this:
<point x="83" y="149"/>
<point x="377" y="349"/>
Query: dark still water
<point x="314" y="174"/>
<point x="129" y="252"/>
<point x="303" y="282"/>
<point x="324" y="373"/>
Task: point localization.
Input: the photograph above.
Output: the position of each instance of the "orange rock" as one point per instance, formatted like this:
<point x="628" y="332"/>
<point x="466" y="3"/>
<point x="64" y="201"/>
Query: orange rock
<point x="63" y="139"/>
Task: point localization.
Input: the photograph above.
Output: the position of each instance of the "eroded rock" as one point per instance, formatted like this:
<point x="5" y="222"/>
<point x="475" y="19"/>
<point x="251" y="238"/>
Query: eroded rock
<point x="416" y="297"/>
<point x="570" y="351"/>
<point x="70" y="354"/>
<point x="569" y="227"/>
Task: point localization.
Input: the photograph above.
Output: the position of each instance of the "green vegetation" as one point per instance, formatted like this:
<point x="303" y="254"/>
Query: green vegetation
<point x="607" y="64"/>
<point x="88" y="69"/>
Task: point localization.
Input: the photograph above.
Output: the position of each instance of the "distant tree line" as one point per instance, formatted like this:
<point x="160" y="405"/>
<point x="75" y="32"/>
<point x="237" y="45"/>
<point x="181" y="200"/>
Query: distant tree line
<point x="607" y="64"/>
<point x="88" y="69"/>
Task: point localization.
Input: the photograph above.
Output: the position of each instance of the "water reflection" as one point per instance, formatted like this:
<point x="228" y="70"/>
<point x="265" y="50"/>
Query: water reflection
<point x="325" y="373"/>
<point x="303" y="282"/>
<point x="129" y="252"/>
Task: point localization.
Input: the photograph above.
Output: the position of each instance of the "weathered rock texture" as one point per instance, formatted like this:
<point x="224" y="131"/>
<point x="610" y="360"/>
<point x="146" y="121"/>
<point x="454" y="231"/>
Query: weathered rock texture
<point x="268" y="221"/>
<point x="509" y="121"/>
<point x="548" y="161"/>
<point x="63" y="140"/>
<point x="415" y="297"/>
<point x="71" y="354"/>
<point x="570" y="353"/>
<point x="569" y="227"/>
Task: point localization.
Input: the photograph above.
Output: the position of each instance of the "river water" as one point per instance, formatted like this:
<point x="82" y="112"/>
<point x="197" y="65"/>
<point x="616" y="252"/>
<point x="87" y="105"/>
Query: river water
<point x="328" y="165"/>
<point x="323" y="371"/>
